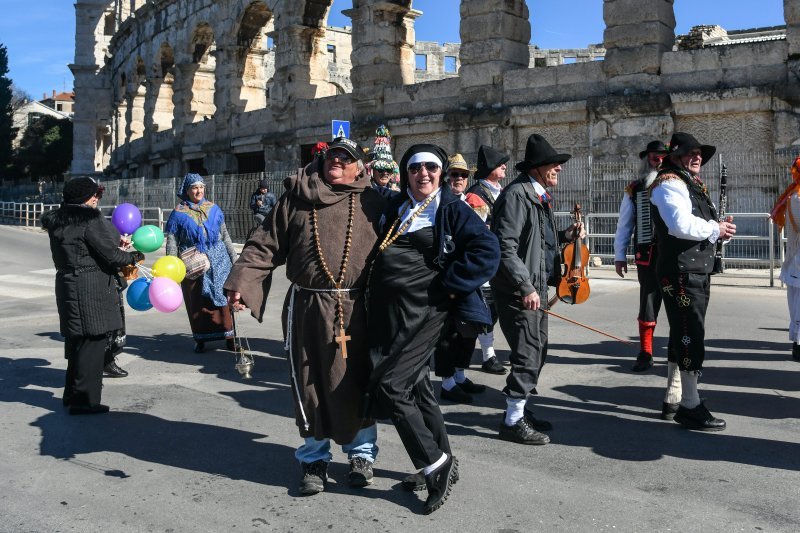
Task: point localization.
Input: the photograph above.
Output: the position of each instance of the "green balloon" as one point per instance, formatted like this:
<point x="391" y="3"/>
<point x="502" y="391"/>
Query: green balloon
<point x="148" y="239"/>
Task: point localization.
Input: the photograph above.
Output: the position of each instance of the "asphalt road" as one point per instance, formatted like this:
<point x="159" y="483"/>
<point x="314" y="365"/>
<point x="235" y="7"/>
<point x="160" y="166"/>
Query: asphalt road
<point x="189" y="446"/>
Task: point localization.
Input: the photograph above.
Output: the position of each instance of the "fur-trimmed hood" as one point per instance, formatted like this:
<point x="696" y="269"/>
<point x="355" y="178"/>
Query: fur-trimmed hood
<point x="69" y="214"/>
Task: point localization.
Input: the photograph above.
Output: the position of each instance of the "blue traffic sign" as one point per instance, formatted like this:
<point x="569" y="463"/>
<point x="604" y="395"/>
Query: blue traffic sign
<point x="340" y="128"/>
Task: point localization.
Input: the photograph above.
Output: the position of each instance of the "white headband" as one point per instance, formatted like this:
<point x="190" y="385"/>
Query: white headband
<point x="424" y="157"/>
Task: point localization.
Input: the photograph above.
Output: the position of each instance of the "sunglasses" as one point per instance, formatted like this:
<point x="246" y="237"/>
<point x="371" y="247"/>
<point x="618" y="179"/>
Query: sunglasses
<point x="100" y="190"/>
<point x="341" y="155"/>
<point x="429" y="166"/>
<point x="458" y="175"/>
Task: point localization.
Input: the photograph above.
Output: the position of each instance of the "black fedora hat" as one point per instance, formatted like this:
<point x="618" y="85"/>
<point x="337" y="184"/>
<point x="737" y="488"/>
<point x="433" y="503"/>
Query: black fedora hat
<point x="682" y="143"/>
<point x="538" y="152"/>
<point x="488" y="160"/>
<point x="653" y="146"/>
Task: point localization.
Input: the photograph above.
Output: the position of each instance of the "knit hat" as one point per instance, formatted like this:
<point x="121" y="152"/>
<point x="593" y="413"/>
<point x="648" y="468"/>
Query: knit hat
<point x="488" y="160"/>
<point x="263" y="184"/>
<point x="78" y="190"/>
<point x="382" y="150"/>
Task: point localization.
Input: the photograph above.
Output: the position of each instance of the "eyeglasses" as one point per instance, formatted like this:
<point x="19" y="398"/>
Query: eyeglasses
<point x="341" y="155"/>
<point x="458" y="175"/>
<point x="429" y="166"/>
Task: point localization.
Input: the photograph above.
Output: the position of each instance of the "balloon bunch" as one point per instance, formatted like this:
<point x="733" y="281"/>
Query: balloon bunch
<point x="159" y="287"/>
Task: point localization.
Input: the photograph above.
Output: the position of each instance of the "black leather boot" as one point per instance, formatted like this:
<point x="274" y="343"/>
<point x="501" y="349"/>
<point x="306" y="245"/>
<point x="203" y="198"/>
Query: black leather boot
<point x="112" y="370"/>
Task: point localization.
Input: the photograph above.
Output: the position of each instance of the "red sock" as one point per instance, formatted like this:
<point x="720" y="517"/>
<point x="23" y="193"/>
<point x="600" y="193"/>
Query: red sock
<point x="646" y="330"/>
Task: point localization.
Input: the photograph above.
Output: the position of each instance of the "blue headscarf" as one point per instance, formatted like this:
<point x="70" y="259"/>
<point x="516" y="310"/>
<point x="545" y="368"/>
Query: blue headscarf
<point x="188" y="181"/>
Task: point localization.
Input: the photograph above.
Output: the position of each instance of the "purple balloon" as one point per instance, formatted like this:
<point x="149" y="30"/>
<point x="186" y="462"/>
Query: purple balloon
<point x="165" y="294"/>
<point x="126" y="218"/>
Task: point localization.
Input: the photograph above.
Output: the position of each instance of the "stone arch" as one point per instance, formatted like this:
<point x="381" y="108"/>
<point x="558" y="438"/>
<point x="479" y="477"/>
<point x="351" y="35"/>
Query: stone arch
<point x="121" y="111"/>
<point x="201" y="74"/>
<point x="163" y="83"/>
<point x="251" y="52"/>
<point x="137" y="93"/>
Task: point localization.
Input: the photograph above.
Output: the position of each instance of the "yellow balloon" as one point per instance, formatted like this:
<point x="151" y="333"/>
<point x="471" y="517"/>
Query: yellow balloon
<point x="170" y="267"/>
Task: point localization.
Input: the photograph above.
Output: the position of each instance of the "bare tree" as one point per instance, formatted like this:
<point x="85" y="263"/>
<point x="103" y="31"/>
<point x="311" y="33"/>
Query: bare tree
<point x="19" y="97"/>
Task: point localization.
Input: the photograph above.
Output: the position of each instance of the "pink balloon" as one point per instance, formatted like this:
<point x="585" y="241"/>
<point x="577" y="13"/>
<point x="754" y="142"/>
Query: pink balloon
<point x="165" y="295"/>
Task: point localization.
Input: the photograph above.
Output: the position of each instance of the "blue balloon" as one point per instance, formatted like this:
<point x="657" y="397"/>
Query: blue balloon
<point x="138" y="295"/>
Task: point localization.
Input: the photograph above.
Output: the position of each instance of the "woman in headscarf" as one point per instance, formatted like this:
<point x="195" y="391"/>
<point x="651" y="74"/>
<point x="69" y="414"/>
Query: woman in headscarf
<point x="788" y="206"/>
<point x="196" y="222"/>
<point x="431" y="263"/>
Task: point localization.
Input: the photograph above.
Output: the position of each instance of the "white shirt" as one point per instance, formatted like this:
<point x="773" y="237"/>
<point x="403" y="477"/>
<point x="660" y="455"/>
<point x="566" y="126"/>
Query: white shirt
<point x="426" y="218"/>
<point x="625" y="226"/>
<point x="495" y="190"/>
<point x="790" y="269"/>
<point x="538" y="188"/>
<point x="671" y="197"/>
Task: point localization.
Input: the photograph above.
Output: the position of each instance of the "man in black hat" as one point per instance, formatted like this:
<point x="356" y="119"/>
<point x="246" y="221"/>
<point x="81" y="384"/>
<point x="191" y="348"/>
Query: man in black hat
<point x="687" y="229"/>
<point x="529" y="252"/>
<point x="634" y="218"/>
<point x="87" y="256"/>
<point x="262" y="201"/>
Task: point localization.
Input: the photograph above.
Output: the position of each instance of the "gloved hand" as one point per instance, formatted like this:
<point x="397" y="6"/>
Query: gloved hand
<point x="138" y="257"/>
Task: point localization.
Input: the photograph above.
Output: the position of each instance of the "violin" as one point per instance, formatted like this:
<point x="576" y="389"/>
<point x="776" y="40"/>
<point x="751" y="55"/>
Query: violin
<point x="574" y="285"/>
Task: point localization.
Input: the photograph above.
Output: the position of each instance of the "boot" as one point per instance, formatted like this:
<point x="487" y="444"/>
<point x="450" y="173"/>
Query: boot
<point x="112" y="370"/>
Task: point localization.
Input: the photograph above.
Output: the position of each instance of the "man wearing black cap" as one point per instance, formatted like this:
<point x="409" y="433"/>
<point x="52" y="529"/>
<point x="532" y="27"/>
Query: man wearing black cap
<point x="529" y="251"/>
<point x="686" y="229"/>
<point x="262" y="201"/>
<point x="634" y="218"/>
<point x="87" y="256"/>
<point x="323" y="229"/>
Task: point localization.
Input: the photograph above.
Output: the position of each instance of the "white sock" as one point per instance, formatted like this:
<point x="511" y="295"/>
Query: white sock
<point x="428" y="469"/>
<point x="448" y="383"/>
<point x="515" y="409"/>
<point x="690" y="398"/>
<point x="487" y="345"/>
<point x="673" y="394"/>
<point x="459" y="376"/>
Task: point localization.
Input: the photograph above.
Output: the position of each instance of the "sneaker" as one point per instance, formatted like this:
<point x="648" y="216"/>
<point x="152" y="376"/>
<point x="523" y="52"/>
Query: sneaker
<point x="471" y="388"/>
<point x="668" y="410"/>
<point x="414" y="482"/>
<point x="699" y="419"/>
<point x="522" y="433"/>
<point x="643" y="362"/>
<point x="439" y="483"/>
<point x="493" y="366"/>
<point x="360" y="474"/>
<point x="536" y="423"/>
<point x="315" y="475"/>
<point x="455" y="395"/>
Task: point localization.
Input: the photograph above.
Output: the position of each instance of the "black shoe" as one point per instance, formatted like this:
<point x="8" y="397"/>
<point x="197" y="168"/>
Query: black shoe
<point x="668" y="410"/>
<point x="698" y="418"/>
<point x="360" y="474"/>
<point x="493" y="366"/>
<point x="643" y="362"/>
<point x="231" y="345"/>
<point x="796" y="352"/>
<point x="315" y="475"/>
<point x="537" y="424"/>
<point x="88" y="409"/>
<point x="112" y="370"/>
<point x="439" y="482"/>
<point x="522" y="433"/>
<point x="471" y="388"/>
<point x="456" y="395"/>
<point x="199" y="347"/>
<point x="414" y="482"/>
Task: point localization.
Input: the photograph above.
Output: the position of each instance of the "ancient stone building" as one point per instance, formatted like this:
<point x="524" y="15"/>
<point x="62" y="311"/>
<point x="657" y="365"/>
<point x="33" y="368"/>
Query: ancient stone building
<point x="227" y="86"/>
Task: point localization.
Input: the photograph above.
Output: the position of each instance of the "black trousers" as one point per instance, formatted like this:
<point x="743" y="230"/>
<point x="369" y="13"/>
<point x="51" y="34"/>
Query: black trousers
<point x="686" y="301"/>
<point x="649" y="293"/>
<point x="455" y="350"/>
<point x="526" y="333"/>
<point x="85" y="361"/>
<point x="406" y="393"/>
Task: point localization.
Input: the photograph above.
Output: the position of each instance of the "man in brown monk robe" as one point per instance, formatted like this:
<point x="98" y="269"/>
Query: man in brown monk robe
<point x="324" y="229"/>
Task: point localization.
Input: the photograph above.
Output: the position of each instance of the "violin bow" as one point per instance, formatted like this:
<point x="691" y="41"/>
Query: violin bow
<point x="590" y="328"/>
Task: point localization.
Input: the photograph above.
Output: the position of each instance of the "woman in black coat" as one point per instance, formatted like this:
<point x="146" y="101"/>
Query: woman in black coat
<point x="87" y="257"/>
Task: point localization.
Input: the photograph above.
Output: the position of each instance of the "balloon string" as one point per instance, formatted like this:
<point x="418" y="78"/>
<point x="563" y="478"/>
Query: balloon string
<point x="148" y="273"/>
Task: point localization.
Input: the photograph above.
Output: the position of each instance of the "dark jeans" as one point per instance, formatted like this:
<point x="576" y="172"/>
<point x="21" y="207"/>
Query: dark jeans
<point x="686" y="301"/>
<point x="649" y="293"/>
<point x="526" y="333"/>
<point x="85" y="361"/>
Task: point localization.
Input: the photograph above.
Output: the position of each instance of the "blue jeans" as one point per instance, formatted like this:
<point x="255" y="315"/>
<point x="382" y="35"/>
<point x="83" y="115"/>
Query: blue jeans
<point x="363" y="445"/>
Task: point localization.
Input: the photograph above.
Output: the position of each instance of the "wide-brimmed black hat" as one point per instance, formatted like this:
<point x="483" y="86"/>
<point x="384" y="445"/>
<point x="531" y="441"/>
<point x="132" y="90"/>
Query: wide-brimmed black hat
<point x="488" y="160"/>
<point x="653" y="146"/>
<point x="682" y="143"/>
<point x="538" y="153"/>
<point x="349" y="146"/>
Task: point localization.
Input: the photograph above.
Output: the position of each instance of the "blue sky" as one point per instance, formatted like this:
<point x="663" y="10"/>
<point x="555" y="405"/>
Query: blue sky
<point x="40" y="34"/>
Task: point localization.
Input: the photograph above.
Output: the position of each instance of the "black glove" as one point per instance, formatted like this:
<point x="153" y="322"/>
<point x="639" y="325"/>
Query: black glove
<point x="137" y="257"/>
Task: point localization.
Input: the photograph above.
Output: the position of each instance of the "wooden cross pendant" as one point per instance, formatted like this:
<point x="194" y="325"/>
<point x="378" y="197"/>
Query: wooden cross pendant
<point x="342" y="340"/>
